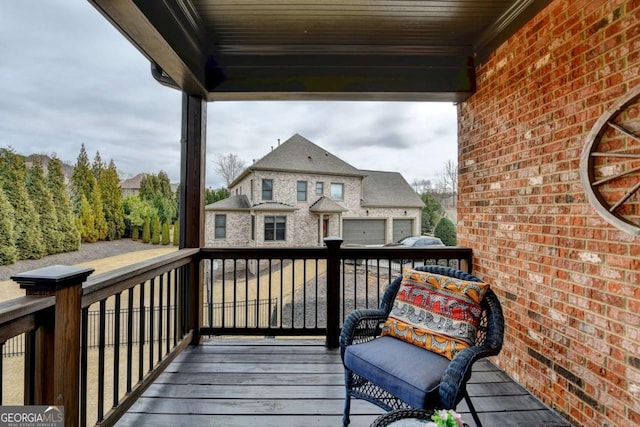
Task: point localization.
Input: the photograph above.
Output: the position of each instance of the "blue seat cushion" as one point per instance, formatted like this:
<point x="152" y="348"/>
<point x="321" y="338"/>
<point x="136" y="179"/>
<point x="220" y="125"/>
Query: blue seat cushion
<point x="409" y="372"/>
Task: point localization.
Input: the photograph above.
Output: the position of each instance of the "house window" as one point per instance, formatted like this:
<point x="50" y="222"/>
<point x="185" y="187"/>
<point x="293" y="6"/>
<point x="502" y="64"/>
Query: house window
<point x="267" y="189"/>
<point x="275" y="227"/>
<point x="319" y="188"/>
<point x="221" y="227"/>
<point x="337" y="191"/>
<point x="302" y="191"/>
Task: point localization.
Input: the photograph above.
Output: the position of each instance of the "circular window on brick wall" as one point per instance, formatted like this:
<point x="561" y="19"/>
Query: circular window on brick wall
<point x="610" y="164"/>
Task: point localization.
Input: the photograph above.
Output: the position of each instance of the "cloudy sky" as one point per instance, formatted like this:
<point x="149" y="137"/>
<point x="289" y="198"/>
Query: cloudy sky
<point x="67" y="77"/>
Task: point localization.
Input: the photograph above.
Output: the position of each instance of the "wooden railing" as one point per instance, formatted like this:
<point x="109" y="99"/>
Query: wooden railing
<point x="304" y="291"/>
<point x="149" y="312"/>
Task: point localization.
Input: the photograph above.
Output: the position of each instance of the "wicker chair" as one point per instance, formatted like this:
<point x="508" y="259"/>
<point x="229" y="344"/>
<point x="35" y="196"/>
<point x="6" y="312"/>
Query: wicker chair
<point x="442" y="382"/>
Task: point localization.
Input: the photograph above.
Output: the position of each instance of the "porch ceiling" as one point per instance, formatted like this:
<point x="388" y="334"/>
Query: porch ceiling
<point x="309" y="49"/>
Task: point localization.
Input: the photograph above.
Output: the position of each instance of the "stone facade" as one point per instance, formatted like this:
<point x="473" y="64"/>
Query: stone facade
<point x="569" y="282"/>
<point x="303" y="226"/>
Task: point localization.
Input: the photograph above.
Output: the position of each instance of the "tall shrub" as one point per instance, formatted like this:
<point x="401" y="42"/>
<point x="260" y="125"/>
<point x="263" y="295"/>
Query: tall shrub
<point x="8" y="251"/>
<point x="146" y="230"/>
<point x="155" y="234"/>
<point x="28" y="234"/>
<point x="69" y="234"/>
<point x="112" y="206"/>
<point x="176" y="233"/>
<point x="446" y="231"/>
<point x="44" y="205"/>
<point x="86" y="221"/>
<point x="166" y="237"/>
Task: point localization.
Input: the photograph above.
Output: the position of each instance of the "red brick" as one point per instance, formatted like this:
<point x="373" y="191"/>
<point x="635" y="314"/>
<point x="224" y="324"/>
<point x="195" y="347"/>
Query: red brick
<point x="528" y="122"/>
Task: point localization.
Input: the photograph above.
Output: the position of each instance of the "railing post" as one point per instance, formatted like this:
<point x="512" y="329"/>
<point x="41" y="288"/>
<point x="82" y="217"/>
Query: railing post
<point x="333" y="291"/>
<point x="192" y="189"/>
<point x="57" y="358"/>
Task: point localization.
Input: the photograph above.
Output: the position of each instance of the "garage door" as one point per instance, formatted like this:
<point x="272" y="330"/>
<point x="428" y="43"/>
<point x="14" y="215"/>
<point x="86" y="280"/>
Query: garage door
<point x="363" y="231"/>
<point x="402" y="228"/>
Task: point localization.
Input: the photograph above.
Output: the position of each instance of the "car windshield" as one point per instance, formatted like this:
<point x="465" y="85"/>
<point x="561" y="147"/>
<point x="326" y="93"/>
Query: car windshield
<point x="409" y="241"/>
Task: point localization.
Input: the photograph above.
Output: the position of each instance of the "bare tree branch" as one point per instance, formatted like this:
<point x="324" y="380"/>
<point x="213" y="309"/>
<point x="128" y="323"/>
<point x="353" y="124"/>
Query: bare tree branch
<point x="228" y="167"/>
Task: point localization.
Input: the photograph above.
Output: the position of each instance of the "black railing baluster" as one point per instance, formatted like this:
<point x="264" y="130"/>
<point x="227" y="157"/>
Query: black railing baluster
<point x="169" y="308"/>
<point x="129" y="339"/>
<point x="246" y="293"/>
<point x="160" y="318"/>
<point x="152" y="331"/>
<point x="293" y="293"/>
<point x="210" y="286"/>
<point x="176" y="299"/>
<point x="141" y="332"/>
<point x="84" y="349"/>
<point x="101" y="355"/>
<point x="116" y="350"/>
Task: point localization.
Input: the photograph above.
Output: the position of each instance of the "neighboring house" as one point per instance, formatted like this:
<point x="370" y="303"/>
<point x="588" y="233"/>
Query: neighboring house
<point x="131" y="186"/>
<point x="299" y="193"/>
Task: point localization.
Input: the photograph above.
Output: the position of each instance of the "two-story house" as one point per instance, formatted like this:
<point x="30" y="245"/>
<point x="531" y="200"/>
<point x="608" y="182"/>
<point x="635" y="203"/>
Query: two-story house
<point x="299" y="193"/>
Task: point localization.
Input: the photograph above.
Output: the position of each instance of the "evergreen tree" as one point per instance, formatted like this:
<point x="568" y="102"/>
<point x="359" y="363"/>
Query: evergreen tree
<point x="43" y="202"/>
<point x="28" y="235"/>
<point x="98" y="166"/>
<point x="176" y="233"/>
<point x="157" y="190"/>
<point x="86" y="222"/>
<point x="211" y="195"/>
<point x="135" y="233"/>
<point x="111" y="193"/>
<point x="69" y="234"/>
<point x="155" y="235"/>
<point x="166" y="238"/>
<point x="446" y="231"/>
<point x="8" y="251"/>
<point x="146" y="231"/>
<point x="101" y="226"/>
<point x="82" y="179"/>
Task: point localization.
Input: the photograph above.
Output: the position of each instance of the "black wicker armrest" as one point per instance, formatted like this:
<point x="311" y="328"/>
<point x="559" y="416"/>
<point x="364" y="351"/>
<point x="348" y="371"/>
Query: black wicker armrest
<point x="452" y="385"/>
<point x="459" y="371"/>
<point x="361" y="326"/>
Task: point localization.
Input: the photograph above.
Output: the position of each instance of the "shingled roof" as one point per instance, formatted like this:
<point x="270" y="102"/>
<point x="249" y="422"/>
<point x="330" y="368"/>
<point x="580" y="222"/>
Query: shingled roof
<point x="299" y="155"/>
<point x="388" y="189"/>
<point x="232" y="203"/>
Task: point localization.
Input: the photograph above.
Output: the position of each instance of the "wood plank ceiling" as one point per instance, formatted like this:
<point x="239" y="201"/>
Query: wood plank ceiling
<point x="318" y="49"/>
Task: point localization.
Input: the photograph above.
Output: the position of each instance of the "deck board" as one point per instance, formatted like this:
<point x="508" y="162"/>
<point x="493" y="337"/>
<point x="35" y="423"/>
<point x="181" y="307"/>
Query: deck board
<point x="292" y="382"/>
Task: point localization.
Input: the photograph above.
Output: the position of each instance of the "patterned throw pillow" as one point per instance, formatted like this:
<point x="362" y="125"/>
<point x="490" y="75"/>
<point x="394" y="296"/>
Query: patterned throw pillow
<point x="439" y="313"/>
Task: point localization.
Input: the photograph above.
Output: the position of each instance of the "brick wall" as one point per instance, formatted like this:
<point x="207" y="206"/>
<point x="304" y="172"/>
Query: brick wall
<point x="568" y="280"/>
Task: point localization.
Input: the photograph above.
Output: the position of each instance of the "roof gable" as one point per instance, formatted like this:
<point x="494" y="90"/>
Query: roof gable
<point x="232" y="203"/>
<point x="299" y="155"/>
<point x="388" y="189"/>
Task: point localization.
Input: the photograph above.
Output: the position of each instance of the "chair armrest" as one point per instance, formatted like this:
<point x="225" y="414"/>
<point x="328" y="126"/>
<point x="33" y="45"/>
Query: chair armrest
<point x="454" y="379"/>
<point x="361" y="326"/>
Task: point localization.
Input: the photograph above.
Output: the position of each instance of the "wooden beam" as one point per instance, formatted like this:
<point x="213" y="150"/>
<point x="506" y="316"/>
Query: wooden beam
<point x="192" y="189"/>
<point x="401" y="77"/>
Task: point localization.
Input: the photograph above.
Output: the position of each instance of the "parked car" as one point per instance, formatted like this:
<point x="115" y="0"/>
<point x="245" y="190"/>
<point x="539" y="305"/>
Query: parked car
<point x="417" y="241"/>
<point x="414" y="242"/>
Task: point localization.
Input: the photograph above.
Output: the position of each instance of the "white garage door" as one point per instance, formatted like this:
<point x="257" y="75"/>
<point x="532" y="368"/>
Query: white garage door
<point x="363" y="231"/>
<point x="402" y="228"/>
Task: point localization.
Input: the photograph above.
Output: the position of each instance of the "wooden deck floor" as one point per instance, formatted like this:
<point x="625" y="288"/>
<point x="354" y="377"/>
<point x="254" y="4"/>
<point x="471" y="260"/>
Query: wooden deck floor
<point x="294" y="382"/>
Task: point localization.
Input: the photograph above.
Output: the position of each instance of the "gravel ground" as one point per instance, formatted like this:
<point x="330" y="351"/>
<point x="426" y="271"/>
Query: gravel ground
<point x="87" y="252"/>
